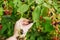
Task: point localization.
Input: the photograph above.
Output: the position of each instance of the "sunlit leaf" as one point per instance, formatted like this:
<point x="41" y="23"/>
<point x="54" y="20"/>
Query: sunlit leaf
<point x="1" y="11"/>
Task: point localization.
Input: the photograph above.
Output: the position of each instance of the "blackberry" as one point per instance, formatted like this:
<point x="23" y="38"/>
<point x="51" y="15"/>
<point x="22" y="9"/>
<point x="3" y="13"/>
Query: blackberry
<point x="51" y="13"/>
<point x="22" y="0"/>
<point x="59" y="23"/>
<point x="56" y="18"/>
<point x="3" y="5"/>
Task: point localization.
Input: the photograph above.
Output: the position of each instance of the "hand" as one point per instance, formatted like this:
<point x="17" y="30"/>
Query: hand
<point x="12" y="38"/>
<point x="23" y="24"/>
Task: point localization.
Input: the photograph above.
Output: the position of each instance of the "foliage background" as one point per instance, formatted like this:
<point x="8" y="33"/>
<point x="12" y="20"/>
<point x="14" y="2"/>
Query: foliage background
<point x="35" y="10"/>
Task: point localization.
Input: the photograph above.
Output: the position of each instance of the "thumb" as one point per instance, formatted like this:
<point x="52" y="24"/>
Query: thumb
<point x="30" y="25"/>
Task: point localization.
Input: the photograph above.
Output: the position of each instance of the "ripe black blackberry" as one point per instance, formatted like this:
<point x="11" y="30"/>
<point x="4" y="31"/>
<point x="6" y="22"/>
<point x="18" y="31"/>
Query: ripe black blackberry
<point x="3" y="5"/>
<point x="59" y="23"/>
<point x="22" y="0"/>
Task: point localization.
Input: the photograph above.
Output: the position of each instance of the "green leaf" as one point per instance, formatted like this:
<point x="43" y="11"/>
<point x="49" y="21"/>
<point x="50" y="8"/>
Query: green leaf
<point x="36" y="15"/>
<point x="23" y="8"/>
<point x="5" y="21"/>
<point x="39" y="1"/>
<point x="47" y="25"/>
<point x="1" y="11"/>
<point x="15" y="2"/>
<point x="40" y="38"/>
<point x="30" y="1"/>
<point x="50" y="1"/>
<point x="11" y="3"/>
<point x="19" y="4"/>
<point x="44" y="11"/>
<point x="46" y="5"/>
<point x="3" y="29"/>
<point x="7" y="25"/>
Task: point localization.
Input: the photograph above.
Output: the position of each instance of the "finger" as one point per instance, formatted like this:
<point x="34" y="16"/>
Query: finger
<point x="30" y="25"/>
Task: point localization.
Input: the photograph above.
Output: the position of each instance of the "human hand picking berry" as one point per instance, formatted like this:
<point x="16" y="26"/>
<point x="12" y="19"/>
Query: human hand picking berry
<point x="22" y="24"/>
